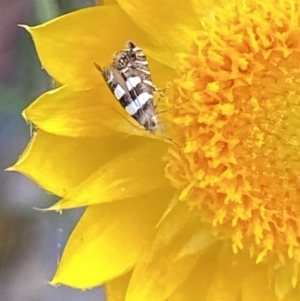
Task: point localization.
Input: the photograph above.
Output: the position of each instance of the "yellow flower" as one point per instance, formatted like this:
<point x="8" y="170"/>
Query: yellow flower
<point x="219" y="218"/>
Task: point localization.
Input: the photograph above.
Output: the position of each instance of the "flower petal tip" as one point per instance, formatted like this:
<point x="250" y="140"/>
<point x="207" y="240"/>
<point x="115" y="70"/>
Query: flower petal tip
<point x="11" y="168"/>
<point x="16" y="166"/>
<point x="24" y="115"/>
<point x="53" y="283"/>
<point x="42" y="209"/>
<point x="25" y="27"/>
<point x="54" y="207"/>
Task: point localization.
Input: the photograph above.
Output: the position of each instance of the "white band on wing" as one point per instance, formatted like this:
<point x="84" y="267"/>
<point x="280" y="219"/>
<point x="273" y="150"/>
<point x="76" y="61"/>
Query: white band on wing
<point x="132" y="82"/>
<point x="119" y="92"/>
<point x="138" y="103"/>
<point x="148" y="82"/>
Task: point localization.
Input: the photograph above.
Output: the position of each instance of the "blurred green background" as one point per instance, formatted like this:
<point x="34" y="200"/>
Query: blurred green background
<point x="31" y="241"/>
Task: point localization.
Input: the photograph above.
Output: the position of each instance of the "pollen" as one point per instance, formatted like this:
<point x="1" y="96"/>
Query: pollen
<point x="235" y="118"/>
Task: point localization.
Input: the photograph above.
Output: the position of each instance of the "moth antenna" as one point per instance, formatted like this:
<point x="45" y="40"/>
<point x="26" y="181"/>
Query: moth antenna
<point x="160" y="93"/>
<point x="166" y="110"/>
<point x="172" y="141"/>
<point x="160" y="96"/>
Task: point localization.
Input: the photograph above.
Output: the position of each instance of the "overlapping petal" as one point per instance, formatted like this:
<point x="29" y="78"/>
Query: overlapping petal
<point x="226" y="285"/>
<point x="62" y="43"/>
<point x="51" y="113"/>
<point x="169" y="262"/>
<point x="116" y="289"/>
<point x="106" y="230"/>
<point x="59" y="164"/>
<point x="256" y="286"/>
<point x="94" y="114"/>
<point x="120" y="178"/>
<point x="196" y="287"/>
<point x="219" y="275"/>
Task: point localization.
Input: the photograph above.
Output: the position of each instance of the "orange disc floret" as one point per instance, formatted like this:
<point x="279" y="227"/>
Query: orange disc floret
<point x="237" y="124"/>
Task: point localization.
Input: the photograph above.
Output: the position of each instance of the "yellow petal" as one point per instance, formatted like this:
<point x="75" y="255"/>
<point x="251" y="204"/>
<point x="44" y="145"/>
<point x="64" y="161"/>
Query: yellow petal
<point x="206" y="8"/>
<point x="69" y="45"/>
<point x="256" y="286"/>
<point x="59" y="164"/>
<point x="217" y="275"/>
<point x="108" y="240"/>
<point x="293" y="295"/>
<point x="161" y="74"/>
<point x="170" y="24"/>
<point x="85" y="113"/>
<point x="73" y="113"/>
<point x="116" y="289"/>
<point x="229" y="274"/>
<point x="170" y="227"/>
<point x="132" y="173"/>
<point x="105" y="2"/>
<point x="282" y="281"/>
<point x="196" y="287"/>
<point x="166" y="267"/>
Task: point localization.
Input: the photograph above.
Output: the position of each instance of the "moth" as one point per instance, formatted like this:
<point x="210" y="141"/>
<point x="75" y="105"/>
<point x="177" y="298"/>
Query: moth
<point x="129" y="79"/>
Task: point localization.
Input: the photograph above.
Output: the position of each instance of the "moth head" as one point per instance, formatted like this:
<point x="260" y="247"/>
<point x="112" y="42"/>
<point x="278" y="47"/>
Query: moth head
<point x="120" y="60"/>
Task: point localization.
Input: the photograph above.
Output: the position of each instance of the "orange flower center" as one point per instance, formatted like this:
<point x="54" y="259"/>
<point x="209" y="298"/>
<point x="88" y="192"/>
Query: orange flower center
<point x="237" y="126"/>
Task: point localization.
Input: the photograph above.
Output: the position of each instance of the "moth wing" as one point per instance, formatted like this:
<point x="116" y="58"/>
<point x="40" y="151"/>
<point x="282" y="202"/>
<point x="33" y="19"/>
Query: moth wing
<point x="116" y="84"/>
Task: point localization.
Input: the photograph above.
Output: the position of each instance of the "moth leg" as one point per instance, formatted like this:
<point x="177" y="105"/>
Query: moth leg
<point x="160" y="93"/>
